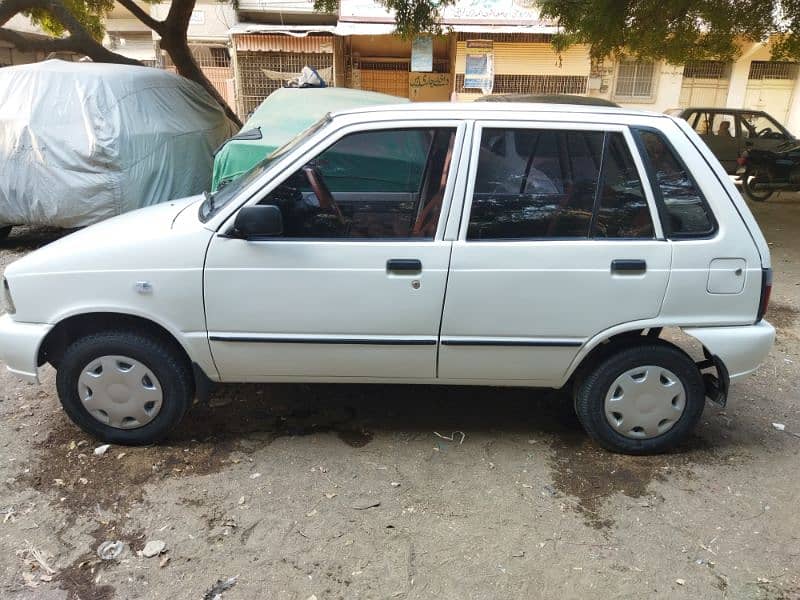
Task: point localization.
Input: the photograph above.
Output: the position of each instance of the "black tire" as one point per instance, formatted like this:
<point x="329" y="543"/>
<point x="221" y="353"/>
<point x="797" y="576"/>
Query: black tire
<point x="5" y="230"/>
<point x="590" y="394"/>
<point x="754" y="195"/>
<point x="166" y="362"/>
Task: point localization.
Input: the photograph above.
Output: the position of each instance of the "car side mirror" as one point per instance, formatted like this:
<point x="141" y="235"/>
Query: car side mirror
<point x="258" y="221"/>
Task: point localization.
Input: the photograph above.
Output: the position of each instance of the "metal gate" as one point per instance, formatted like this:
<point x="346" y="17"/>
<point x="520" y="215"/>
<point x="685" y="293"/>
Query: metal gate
<point x="261" y="73"/>
<point x="705" y="84"/>
<point x="770" y="87"/>
<point x="386" y="75"/>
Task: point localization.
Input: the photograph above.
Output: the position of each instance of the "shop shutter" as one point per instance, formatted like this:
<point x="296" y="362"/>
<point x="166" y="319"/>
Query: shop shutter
<point x="511" y="58"/>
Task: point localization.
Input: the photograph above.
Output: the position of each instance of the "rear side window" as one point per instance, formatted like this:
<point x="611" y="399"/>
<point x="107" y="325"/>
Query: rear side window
<point x="539" y="184"/>
<point x="622" y="210"/>
<point x="685" y="212"/>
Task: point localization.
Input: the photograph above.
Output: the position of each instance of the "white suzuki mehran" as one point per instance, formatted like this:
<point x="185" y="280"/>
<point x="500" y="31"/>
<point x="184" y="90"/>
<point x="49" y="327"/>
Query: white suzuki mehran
<point x="494" y="244"/>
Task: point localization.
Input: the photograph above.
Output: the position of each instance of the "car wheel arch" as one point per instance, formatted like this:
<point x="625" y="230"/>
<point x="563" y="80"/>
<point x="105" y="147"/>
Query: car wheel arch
<point x="603" y="346"/>
<point x="70" y="328"/>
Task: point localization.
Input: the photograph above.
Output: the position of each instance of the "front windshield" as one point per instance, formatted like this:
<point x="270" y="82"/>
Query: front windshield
<point x="758" y="124"/>
<point x="216" y="201"/>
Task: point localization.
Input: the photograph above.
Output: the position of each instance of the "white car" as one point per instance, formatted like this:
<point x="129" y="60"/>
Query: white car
<point x="494" y="244"/>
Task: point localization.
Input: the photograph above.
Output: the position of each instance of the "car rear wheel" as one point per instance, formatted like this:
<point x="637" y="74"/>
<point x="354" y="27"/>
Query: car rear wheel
<point x="124" y="387"/>
<point x="641" y="400"/>
<point x="5" y="230"/>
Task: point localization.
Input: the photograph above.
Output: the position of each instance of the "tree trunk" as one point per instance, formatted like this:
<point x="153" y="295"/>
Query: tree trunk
<point x="184" y="62"/>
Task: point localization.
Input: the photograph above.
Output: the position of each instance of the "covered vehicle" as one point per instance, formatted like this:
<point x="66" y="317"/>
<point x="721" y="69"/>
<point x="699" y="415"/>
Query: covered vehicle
<point x="82" y="142"/>
<point x="285" y="113"/>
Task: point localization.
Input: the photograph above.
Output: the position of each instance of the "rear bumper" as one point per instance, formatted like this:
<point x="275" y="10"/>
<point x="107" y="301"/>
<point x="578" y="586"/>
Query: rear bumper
<point x="741" y="349"/>
<point x="19" y="347"/>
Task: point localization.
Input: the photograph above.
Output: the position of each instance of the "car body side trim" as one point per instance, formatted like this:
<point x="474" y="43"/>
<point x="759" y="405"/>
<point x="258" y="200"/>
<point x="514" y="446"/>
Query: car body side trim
<point x="284" y="339"/>
<point x="515" y="342"/>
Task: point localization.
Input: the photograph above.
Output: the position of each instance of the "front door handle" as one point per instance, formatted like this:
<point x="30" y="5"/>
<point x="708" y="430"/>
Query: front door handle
<point x="628" y="267"/>
<point x="404" y="266"/>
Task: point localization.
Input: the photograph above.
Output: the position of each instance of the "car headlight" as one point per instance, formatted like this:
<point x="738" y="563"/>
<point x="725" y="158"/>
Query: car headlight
<point x="7" y="300"/>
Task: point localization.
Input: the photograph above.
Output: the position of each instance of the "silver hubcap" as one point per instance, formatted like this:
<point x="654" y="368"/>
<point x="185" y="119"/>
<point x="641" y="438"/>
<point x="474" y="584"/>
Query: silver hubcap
<point x="120" y="392"/>
<point x="645" y="402"/>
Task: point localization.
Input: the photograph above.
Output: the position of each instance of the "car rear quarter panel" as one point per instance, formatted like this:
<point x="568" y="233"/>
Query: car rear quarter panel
<point x="688" y="300"/>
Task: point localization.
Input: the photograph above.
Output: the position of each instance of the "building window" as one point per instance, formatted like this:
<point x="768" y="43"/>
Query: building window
<point x="635" y="80"/>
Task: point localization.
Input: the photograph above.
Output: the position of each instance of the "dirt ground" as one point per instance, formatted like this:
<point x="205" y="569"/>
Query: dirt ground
<point x="398" y="492"/>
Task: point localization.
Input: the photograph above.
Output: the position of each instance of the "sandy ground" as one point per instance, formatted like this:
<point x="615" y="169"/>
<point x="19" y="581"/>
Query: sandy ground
<point x="372" y="492"/>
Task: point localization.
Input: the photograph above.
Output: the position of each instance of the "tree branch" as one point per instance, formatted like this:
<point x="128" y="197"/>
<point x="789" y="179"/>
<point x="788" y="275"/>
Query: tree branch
<point x="180" y="12"/>
<point x="95" y="51"/>
<point x="25" y="43"/>
<point x="10" y="8"/>
<point x="67" y="19"/>
<point x="138" y="12"/>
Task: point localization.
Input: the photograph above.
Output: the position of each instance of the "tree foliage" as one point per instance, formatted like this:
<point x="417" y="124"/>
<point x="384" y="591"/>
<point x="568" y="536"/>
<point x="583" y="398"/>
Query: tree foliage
<point x="90" y="13"/>
<point x="412" y="17"/>
<point x="674" y="30"/>
<point x="671" y="30"/>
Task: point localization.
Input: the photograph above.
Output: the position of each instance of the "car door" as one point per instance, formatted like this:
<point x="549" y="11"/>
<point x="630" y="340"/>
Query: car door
<point x="557" y="244"/>
<point x="353" y="288"/>
<point x="721" y="133"/>
<point x="724" y="139"/>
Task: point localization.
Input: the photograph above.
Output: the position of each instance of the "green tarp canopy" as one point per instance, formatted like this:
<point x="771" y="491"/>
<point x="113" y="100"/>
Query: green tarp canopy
<point x="285" y="113"/>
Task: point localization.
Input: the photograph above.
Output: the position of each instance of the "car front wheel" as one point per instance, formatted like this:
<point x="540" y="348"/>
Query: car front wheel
<point x="124" y="387"/>
<point x="641" y="400"/>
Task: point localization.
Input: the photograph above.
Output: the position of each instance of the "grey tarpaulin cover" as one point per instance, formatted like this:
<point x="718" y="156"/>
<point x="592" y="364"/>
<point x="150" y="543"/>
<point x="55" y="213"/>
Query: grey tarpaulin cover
<point x="82" y="142"/>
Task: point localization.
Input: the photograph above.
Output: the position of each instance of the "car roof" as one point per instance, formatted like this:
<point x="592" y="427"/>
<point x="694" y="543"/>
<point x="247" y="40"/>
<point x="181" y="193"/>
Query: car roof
<point x="721" y="109"/>
<point x="479" y="109"/>
<point x="548" y="99"/>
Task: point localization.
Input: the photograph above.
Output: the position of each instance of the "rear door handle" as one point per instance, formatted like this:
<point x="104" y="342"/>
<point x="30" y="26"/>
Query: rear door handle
<point x="628" y="267"/>
<point x="404" y="266"/>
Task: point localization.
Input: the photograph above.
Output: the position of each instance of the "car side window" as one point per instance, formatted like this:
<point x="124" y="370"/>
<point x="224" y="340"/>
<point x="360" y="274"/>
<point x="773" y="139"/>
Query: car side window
<point x="373" y="184"/>
<point x="685" y="211"/>
<point x="718" y="124"/>
<point x="757" y="125"/>
<point x="622" y="210"/>
<point x="540" y="184"/>
<point x="700" y="122"/>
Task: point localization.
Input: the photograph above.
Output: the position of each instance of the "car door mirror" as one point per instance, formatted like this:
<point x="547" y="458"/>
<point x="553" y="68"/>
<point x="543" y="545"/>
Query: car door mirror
<point x="259" y="221"/>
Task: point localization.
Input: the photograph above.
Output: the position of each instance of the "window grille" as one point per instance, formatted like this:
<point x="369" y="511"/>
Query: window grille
<point x="635" y="79"/>
<point x="762" y="69"/>
<point x="261" y="73"/>
<point x="386" y="77"/>
<point x="707" y="69"/>
<point x="531" y="84"/>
